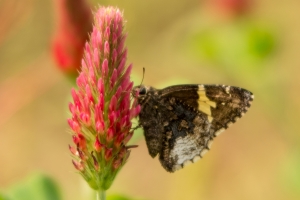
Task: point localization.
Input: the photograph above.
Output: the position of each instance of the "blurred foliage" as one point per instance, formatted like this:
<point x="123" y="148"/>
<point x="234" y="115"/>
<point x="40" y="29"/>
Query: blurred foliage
<point x="35" y="187"/>
<point x="234" y="45"/>
<point x="119" y="197"/>
<point x="290" y="174"/>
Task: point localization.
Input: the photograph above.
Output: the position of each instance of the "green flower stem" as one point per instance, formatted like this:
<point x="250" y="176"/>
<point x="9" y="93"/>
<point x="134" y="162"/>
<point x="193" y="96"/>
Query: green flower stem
<point x="100" y="195"/>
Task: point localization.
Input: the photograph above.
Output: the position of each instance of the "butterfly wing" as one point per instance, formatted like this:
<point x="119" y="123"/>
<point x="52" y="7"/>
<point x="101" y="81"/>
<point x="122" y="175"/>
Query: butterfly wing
<point x="200" y="113"/>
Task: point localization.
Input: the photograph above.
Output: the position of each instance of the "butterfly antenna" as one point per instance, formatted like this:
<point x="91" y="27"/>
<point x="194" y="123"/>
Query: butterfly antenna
<point x="143" y="76"/>
<point x="140" y="83"/>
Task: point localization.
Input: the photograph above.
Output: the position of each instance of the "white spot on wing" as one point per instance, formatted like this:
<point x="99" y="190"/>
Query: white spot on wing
<point x="177" y="167"/>
<point x="219" y="131"/>
<point x="203" y="152"/>
<point x="229" y="124"/>
<point x="196" y="158"/>
<point x="187" y="162"/>
<point x="209" y="143"/>
<point x="187" y="150"/>
<point x="227" y="89"/>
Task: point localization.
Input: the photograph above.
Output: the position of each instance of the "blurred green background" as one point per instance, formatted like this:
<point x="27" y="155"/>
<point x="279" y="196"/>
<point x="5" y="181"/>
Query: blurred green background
<point x="177" y="42"/>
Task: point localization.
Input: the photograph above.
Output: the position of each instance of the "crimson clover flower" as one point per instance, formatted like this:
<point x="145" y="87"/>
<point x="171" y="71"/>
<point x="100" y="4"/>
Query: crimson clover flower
<point x="74" y="23"/>
<point x="101" y="108"/>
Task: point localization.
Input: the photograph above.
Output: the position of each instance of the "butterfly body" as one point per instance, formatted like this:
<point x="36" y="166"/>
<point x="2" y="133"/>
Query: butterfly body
<point x="180" y="122"/>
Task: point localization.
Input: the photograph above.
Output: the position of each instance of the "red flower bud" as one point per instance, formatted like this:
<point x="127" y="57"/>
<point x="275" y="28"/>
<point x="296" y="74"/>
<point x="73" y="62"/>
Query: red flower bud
<point x="74" y="22"/>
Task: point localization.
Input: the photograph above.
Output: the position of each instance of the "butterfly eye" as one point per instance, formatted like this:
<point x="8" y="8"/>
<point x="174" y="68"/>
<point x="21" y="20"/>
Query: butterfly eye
<point x="142" y="91"/>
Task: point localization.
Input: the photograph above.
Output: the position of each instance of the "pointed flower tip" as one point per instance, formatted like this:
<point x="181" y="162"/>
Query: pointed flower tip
<point x="73" y="150"/>
<point x="108" y="154"/>
<point x="78" y="165"/>
<point x="98" y="146"/>
<point x="96" y="163"/>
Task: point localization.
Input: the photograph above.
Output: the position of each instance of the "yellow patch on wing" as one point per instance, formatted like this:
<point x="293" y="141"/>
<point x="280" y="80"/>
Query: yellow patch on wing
<point x="204" y="104"/>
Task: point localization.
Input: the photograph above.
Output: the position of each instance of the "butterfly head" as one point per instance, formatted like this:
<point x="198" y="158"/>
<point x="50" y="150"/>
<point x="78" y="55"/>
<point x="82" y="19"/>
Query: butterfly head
<point x="140" y="92"/>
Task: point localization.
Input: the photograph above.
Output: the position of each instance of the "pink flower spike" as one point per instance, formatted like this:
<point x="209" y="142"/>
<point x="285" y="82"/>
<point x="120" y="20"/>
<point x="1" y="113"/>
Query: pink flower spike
<point x="94" y="38"/>
<point x="122" y="152"/>
<point x="110" y="135"/>
<point x="124" y="54"/>
<point x="113" y="104"/>
<point x="73" y="150"/>
<point x="81" y="141"/>
<point x="118" y="127"/>
<point x="89" y="94"/>
<point x="92" y="80"/>
<point x="113" y="78"/>
<point x="81" y="81"/>
<point x="75" y="140"/>
<point x="100" y="86"/>
<point x="96" y="164"/>
<point x="114" y="56"/>
<point x="134" y="112"/>
<point x="78" y="165"/>
<point x="108" y="153"/>
<point x="74" y="125"/>
<point x="98" y="146"/>
<point x="85" y="118"/>
<point x="121" y="66"/>
<point x="100" y="127"/>
<point x="81" y="154"/>
<point x="118" y="92"/>
<point x="106" y="49"/>
<point x="117" y="163"/>
<point x="98" y="112"/>
<point x="75" y="96"/>
<point x="124" y="120"/>
<point x="129" y="86"/>
<point x="88" y="53"/>
<point x="72" y="108"/>
<point x="105" y="68"/>
<point x="119" y="140"/>
<point x="107" y="33"/>
<point x="96" y="57"/>
<point x="112" y="118"/>
<point x="88" y="56"/>
<point x="128" y="71"/>
<point x="114" y="39"/>
<point x="121" y="45"/>
<point x="101" y="108"/>
<point x="84" y="67"/>
<point x="101" y="101"/>
<point x="124" y="106"/>
<point x="128" y="137"/>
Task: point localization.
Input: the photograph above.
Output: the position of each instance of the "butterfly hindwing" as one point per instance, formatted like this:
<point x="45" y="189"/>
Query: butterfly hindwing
<point x="181" y="121"/>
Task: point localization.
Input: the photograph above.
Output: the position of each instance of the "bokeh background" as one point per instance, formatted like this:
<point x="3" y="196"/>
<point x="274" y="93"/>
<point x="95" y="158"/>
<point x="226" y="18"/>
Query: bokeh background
<point x="251" y="44"/>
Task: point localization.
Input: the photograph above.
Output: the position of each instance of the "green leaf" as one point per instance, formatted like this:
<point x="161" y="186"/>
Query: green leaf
<point x="35" y="187"/>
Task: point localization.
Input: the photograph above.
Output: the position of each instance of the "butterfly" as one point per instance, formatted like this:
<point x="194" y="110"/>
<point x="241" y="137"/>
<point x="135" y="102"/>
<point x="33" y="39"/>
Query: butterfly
<point x="180" y="122"/>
